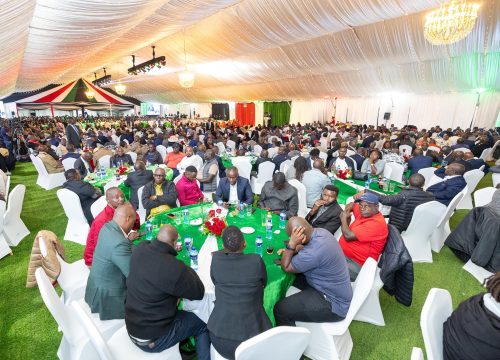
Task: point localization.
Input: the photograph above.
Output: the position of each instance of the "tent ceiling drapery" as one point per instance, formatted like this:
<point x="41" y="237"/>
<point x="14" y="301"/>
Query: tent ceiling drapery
<point x="246" y="49"/>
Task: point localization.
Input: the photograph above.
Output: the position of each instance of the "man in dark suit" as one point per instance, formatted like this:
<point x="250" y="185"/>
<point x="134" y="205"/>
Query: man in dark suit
<point x="120" y="158"/>
<point x="106" y="287"/>
<point x="136" y="179"/>
<point x="476" y="163"/>
<point x="453" y="183"/>
<point x="85" y="164"/>
<point x="263" y="157"/>
<point x="159" y="195"/>
<point x="280" y="157"/>
<point x="359" y="157"/>
<point x="233" y="188"/>
<point x="456" y="158"/>
<point x="86" y="192"/>
<point x="156" y="282"/>
<point x="73" y="134"/>
<point x="419" y="161"/>
<point x="325" y="211"/>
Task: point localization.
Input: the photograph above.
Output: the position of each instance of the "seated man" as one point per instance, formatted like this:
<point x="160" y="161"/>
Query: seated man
<point x="85" y="164"/>
<point x="373" y="164"/>
<point x="366" y="236"/>
<point x="234" y="189"/>
<point x="136" y="179"/>
<point x="457" y="157"/>
<point x="106" y="288"/>
<point x="152" y="157"/>
<point x="325" y="211"/>
<point x="342" y="162"/>
<point x="452" y="184"/>
<point x="403" y="204"/>
<point x="187" y="187"/>
<point x="156" y="283"/>
<point x="419" y="161"/>
<point x="471" y="331"/>
<point x="51" y="165"/>
<point x="262" y="158"/>
<point x="323" y="278"/>
<point x="191" y="159"/>
<point x="278" y="194"/>
<point x="120" y="158"/>
<point x="207" y="176"/>
<point x="159" y="195"/>
<point x="315" y="181"/>
<point x="173" y="158"/>
<point x="70" y="153"/>
<point x="280" y="157"/>
<point x="114" y="198"/>
<point x="86" y="192"/>
<point x="476" y="163"/>
<point x="236" y="276"/>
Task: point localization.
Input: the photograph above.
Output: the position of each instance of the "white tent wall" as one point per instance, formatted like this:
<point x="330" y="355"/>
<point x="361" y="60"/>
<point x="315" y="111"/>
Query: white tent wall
<point x="447" y="110"/>
<point x="309" y="111"/>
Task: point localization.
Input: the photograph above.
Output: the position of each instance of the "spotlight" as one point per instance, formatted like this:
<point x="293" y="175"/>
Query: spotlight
<point x="147" y="65"/>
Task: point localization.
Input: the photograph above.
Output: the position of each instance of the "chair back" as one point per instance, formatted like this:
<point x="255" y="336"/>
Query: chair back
<point x="7" y="187"/>
<point x="397" y="171"/>
<point x="69" y="163"/>
<point x="169" y="149"/>
<point x="98" y="206"/>
<point x="266" y="170"/>
<point x="271" y="152"/>
<point x="437" y="308"/>
<point x="14" y="204"/>
<point x="176" y="179"/>
<point x="486" y="154"/>
<point x="244" y="166"/>
<point x="483" y="196"/>
<point x="71" y="205"/>
<point x="105" y="161"/>
<point x="462" y="149"/>
<point x="285" y="165"/>
<point x="257" y="149"/>
<point x="222" y="148"/>
<point x="417" y="354"/>
<point x="472" y="178"/>
<point x="231" y="144"/>
<point x="427" y="173"/>
<point x="452" y="206"/>
<point x="405" y="150"/>
<point x="349" y="152"/>
<point x="141" y="210"/>
<point x="495" y="178"/>
<point x="133" y="156"/>
<point x="323" y="156"/>
<point x="387" y="171"/>
<point x="40" y="167"/>
<point x="301" y="193"/>
<point x="162" y="150"/>
<point x="269" y="344"/>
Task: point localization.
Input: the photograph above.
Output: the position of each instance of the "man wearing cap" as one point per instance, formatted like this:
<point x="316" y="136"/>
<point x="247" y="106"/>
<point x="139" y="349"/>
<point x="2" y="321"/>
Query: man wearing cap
<point x="366" y="236"/>
<point x="173" y="158"/>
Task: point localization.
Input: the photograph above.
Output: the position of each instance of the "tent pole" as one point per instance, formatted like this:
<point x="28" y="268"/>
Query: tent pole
<point x="52" y="110"/>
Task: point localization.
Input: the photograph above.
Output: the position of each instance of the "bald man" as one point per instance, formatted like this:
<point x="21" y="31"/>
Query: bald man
<point x="114" y="198"/>
<point x="156" y="282"/>
<point x="323" y="278"/>
<point x="315" y="181"/>
<point x="452" y="184"/>
<point x="106" y="288"/>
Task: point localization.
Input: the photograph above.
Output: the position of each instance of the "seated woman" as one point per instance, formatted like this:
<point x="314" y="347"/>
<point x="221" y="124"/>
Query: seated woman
<point x="373" y="164"/>
<point x="239" y="281"/>
<point x="473" y="329"/>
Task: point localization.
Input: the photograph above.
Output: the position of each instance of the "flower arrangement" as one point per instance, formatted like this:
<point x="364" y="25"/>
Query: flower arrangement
<point x="344" y="174"/>
<point x="214" y="224"/>
<point x="121" y="170"/>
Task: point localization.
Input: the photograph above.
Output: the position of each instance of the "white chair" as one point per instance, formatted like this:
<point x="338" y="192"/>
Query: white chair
<point x="495" y="178"/>
<point x="285" y="165"/>
<point x="7" y="187"/>
<point x="349" y="153"/>
<point x="417" y="354"/>
<point x="427" y="173"/>
<point x="486" y="154"/>
<point x="78" y="227"/>
<point x="423" y="223"/>
<point x="397" y="171"/>
<point x="69" y="163"/>
<point x="266" y="170"/>
<point x="301" y="192"/>
<point x="98" y="206"/>
<point x="14" y="228"/>
<point x="231" y="144"/>
<point x="387" y="172"/>
<point x="437" y="308"/>
<point x="371" y="311"/>
<point x="271" y="152"/>
<point x="162" y="150"/>
<point x="331" y="341"/>
<point x="257" y="149"/>
<point x="244" y="166"/>
<point x="443" y="228"/>
<point x="472" y="178"/>
<point x="119" y="346"/>
<point x="405" y="150"/>
<point x="4" y="247"/>
<point x="46" y="180"/>
<point x="141" y="210"/>
<point x="222" y="148"/>
<point x="462" y="149"/>
<point x="477" y="271"/>
<point x="133" y="156"/>
<point x="323" y="156"/>
<point x="75" y="344"/>
<point x="483" y="196"/>
<point x="105" y="161"/>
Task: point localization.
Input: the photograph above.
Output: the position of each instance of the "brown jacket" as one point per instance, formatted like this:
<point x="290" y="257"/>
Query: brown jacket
<point x="52" y="166"/>
<point x="50" y="263"/>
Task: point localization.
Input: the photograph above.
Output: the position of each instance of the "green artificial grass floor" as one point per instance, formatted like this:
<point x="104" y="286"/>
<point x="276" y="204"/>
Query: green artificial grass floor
<point x="28" y="331"/>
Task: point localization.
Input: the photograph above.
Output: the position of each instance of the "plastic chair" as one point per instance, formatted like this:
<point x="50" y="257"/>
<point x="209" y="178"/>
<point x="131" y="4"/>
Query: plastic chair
<point x="437" y="308"/>
<point x="14" y="228"/>
<point x="285" y="165"/>
<point x="7" y="187"/>
<point x="4" y="247"/>
<point x="371" y="311"/>
<point x="477" y="271"/>
<point x="271" y="152"/>
<point x="133" y="156"/>
<point x="495" y="179"/>
<point x="331" y="341"/>
<point x="119" y="346"/>
<point x="472" y="178"/>
<point x="397" y="171"/>
<point x="443" y="228"/>
<point x="405" y="150"/>
<point x="486" y="154"/>
<point x="105" y="161"/>
<point x="231" y="144"/>
<point x="141" y="210"/>
<point x="46" y="180"/>
<point x="69" y="163"/>
<point x="323" y="156"/>
<point x="417" y="354"/>
<point x="162" y="150"/>
<point x="423" y="223"/>
<point x="78" y="227"/>
<point x="98" y="206"/>
<point x="301" y="193"/>
<point x="483" y="196"/>
<point x="257" y="149"/>
<point x="265" y="173"/>
<point x="244" y="166"/>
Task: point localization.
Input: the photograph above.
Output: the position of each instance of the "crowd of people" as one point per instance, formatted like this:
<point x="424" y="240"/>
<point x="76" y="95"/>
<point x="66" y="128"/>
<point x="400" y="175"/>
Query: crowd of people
<point x="143" y="286"/>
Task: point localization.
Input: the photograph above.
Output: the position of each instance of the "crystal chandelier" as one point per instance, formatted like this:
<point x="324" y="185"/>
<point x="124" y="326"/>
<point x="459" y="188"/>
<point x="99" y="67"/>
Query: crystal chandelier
<point x="186" y="77"/>
<point x="120" y="89"/>
<point x="451" y="22"/>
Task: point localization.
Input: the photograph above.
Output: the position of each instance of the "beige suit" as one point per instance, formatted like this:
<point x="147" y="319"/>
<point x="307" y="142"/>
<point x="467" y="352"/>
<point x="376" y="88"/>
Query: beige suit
<point x="53" y="166"/>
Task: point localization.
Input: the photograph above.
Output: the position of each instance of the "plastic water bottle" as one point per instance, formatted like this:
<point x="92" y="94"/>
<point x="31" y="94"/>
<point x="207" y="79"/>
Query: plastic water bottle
<point x="149" y="230"/>
<point x="188" y="242"/>
<point x="258" y="245"/>
<point x="219" y="204"/>
<point x="444" y="163"/>
<point x="102" y="172"/>
<point x="282" y="219"/>
<point x="269" y="229"/>
<point x="193" y="255"/>
<point x="367" y="184"/>
<point x="242" y="210"/>
<point x="186" y="216"/>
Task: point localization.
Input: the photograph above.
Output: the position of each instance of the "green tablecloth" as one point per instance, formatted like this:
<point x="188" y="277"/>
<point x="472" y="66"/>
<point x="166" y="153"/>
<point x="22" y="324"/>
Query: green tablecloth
<point x="346" y="191"/>
<point x="277" y="281"/>
<point x="226" y="161"/>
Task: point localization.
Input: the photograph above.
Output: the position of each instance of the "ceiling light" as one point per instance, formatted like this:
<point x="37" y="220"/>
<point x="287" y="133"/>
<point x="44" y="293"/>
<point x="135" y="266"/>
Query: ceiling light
<point x="120" y="89"/>
<point x="106" y="79"/>
<point x="89" y="94"/>
<point x="146" y="66"/>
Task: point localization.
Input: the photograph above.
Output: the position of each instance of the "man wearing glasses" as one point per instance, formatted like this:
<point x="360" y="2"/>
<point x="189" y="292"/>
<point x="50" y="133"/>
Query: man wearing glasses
<point x="159" y="195"/>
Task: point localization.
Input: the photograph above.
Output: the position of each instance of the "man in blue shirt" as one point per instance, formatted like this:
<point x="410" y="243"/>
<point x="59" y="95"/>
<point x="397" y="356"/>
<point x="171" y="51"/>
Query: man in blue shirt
<point x="419" y="161"/>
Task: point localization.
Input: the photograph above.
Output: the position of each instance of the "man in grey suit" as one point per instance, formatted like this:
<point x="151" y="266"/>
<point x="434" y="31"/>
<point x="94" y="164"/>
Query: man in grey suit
<point x="136" y="179"/>
<point x="73" y="134"/>
<point x="106" y="285"/>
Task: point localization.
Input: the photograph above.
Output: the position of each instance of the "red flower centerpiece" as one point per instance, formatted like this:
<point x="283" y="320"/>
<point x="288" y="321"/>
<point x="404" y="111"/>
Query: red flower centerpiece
<point x="121" y="170"/>
<point x="215" y="223"/>
<point x="344" y="174"/>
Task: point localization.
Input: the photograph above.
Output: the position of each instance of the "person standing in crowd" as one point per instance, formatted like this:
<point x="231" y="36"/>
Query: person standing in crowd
<point x="73" y="133"/>
<point x="208" y="173"/>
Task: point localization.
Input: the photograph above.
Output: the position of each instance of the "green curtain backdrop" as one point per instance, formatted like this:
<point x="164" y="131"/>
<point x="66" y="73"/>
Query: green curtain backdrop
<point x="280" y="112"/>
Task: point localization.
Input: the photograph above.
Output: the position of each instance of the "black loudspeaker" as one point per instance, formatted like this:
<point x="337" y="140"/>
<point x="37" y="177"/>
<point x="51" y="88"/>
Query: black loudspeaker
<point x="13" y="113"/>
<point x="387" y="116"/>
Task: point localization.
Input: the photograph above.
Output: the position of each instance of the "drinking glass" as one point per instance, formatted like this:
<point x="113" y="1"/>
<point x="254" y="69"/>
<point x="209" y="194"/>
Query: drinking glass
<point x="386" y="186"/>
<point x="154" y="222"/>
<point x="391" y="186"/>
<point x="249" y="210"/>
<point x="269" y="247"/>
<point x="178" y="218"/>
<point x="263" y="218"/>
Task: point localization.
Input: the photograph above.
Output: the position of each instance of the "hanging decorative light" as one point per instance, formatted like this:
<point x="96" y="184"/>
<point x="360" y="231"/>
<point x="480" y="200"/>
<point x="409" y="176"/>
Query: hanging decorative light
<point x="89" y="94"/>
<point x="186" y="77"/>
<point x="120" y="89"/>
<point x="451" y="22"/>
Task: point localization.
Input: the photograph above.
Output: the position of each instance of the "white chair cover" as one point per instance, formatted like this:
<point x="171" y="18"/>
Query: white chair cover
<point x="271" y="152"/>
<point x="423" y="223"/>
<point x="437" y="308"/>
<point x="463" y="149"/>
<point x="141" y="210"/>
<point x="427" y="173"/>
<point x="77" y="228"/>
<point x="69" y="163"/>
<point x="46" y="180"/>
<point x="105" y="161"/>
<point x="323" y="156"/>
<point x="257" y="149"/>
<point x="486" y="154"/>
<point x="243" y="165"/>
<point x="397" y="171"/>
<point x="483" y="196"/>
<point x="98" y="206"/>
<point x="7" y="187"/>
<point x="162" y="150"/>
<point x="222" y="148"/>
<point x="371" y="311"/>
<point x="405" y="150"/>
<point x="285" y="165"/>
<point x="472" y="178"/>
<point x="231" y="144"/>
<point x="265" y="173"/>
<point x="301" y="192"/>
<point x="493" y="149"/>
<point x="4" y="247"/>
<point x="133" y="156"/>
<point x="417" y="354"/>
<point x="477" y="271"/>
<point x="495" y="179"/>
<point x="14" y="228"/>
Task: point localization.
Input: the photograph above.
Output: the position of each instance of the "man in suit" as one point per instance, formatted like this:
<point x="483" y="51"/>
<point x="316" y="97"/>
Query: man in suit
<point x="120" y="158"/>
<point x="85" y="164"/>
<point x="86" y="192"/>
<point x="475" y="163"/>
<point x="106" y="287"/>
<point x="455" y="158"/>
<point x="452" y="184"/>
<point x="278" y="195"/>
<point x="280" y="157"/>
<point x="73" y="134"/>
<point x="342" y="162"/>
<point x="419" y="161"/>
<point x="325" y="211"/>
<point x="234" y="189"/>
<point x="136" y="179"/>
<point x="359" y="157"/>
<point x="159" y="195"/>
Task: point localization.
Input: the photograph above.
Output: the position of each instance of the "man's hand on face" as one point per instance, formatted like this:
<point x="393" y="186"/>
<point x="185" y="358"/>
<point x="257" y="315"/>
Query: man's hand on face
<point x="297" y="237"/>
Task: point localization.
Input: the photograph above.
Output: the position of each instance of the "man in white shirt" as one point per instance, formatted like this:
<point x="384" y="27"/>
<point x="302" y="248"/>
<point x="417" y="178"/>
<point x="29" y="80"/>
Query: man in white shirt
<point x="189" y="160"/>
<point x="315" y="180"/>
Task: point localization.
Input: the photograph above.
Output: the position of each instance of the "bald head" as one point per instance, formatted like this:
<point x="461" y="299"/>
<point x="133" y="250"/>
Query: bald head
<point x="296" y="222"/>
<point x="468" y="155"/>
<point x="168" y="235"/>
<point x="139" y="165"/>
<point x="114" y="197"/>
<point x="455" y="169"/>
<point x="318" y="164"/>
<point x="125" y="217"/>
